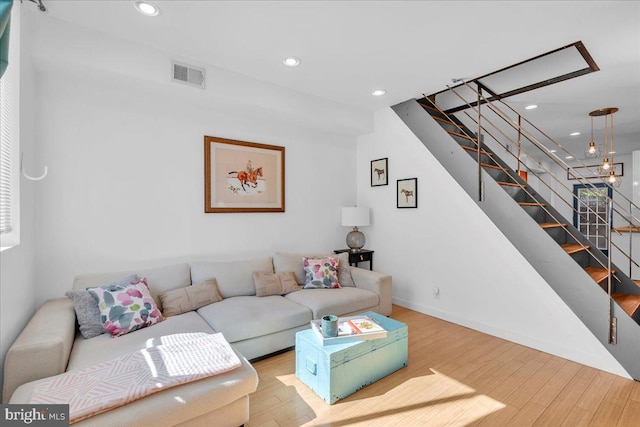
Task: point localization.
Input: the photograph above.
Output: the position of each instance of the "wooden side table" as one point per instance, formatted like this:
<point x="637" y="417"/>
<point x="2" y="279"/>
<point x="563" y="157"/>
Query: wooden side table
<point x="362" y="255"/>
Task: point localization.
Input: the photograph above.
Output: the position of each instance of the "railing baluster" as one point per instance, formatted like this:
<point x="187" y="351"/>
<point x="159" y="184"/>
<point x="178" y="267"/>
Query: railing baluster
<point x="630" y="239"/>
<point x="519" y="141"/>
<point x="612" y="320"/>
<point x="479" y="146"/>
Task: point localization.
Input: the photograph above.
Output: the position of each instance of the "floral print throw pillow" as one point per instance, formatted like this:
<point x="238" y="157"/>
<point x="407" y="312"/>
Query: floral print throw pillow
<point x="126" y="309"/>
<point x="321" y="272"/>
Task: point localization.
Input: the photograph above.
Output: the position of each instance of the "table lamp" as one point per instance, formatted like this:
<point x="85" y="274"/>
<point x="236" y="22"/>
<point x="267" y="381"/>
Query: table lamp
<point x="355" y="217"/>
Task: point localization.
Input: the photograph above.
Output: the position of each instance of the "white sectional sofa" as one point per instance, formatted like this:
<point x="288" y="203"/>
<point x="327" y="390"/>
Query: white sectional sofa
<point x="255" y="326"/>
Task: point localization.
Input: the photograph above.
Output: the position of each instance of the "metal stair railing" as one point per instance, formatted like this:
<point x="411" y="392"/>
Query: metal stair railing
<point x="533" y="196"/>
<point x="546" y="184"/>
<point x="621" y="210"/>
<point x="612" y="205"/>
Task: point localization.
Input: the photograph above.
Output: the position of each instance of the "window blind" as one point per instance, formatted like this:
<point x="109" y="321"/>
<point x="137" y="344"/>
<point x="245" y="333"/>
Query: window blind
<point x="6" y="157"/>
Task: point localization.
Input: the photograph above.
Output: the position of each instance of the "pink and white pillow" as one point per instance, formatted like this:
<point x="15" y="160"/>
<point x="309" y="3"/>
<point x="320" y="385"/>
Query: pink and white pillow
<point x="126" y="309"/>
<point x="321" y="272"/>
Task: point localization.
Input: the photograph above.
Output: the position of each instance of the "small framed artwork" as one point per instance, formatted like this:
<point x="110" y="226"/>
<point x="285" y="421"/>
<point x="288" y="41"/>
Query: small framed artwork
<point x="242" y="176"/>
<point x="407" y="193"/>
<point x="379" y="172"/>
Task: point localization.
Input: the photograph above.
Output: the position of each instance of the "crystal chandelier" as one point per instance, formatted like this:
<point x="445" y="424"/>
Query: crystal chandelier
<point x="607" y="168"/>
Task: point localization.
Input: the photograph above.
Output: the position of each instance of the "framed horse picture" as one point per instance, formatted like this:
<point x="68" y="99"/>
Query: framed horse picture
<point x="379" y="172"/>
<point x="242" y="176"/>
<point x="407" y="196"/>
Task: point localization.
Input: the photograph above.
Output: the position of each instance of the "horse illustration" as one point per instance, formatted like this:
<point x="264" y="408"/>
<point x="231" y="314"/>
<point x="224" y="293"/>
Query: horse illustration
<point x="407" y="194"/>
<point x="380" y="172"/>
<point x="250" y="178"/>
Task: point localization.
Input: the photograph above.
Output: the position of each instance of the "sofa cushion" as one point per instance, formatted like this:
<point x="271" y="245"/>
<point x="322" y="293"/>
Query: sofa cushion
<point x="189" y="298"/>
<point x="234" y="278"/>
<point x="102" y="348"/>
<point x="321" y="272"/>
<point x="283" y="261"/>
<point x="246" y="317"/>
<point x="335" y="301"/>
<point x="126" y="309"/>
<point x="87" y="311"/>
<point x="159" y="279"/>
<point x="275" y="283"/>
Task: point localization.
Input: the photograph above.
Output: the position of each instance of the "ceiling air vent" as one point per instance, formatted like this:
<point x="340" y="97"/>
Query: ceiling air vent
<point x="187" y="74"/>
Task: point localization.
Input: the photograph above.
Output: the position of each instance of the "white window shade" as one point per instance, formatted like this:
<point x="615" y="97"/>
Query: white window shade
<point x="6" y="159"/>
<point x="9" y="141"/>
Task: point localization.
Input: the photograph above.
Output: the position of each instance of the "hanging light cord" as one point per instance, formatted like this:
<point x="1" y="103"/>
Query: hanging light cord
<point x="612" y="150"/>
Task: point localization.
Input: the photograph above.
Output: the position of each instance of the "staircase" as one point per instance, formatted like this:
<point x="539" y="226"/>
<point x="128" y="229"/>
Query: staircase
<point x="597" y="291"/>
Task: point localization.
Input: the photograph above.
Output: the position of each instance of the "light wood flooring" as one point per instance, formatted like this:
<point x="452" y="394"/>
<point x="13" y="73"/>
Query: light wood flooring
<point x="456" y="377"/>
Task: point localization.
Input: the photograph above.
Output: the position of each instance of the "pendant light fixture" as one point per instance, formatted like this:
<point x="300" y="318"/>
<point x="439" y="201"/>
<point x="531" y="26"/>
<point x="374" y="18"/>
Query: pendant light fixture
<point x="592" y="152"/>
<point x="607" y="168"/>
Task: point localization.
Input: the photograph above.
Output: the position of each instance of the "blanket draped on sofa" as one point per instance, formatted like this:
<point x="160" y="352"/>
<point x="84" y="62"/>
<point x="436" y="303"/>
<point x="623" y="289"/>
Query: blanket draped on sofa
<point x="180" y="358"/>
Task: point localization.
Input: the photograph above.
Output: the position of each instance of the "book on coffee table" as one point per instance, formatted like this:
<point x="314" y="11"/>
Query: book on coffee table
<point x="354" y="328"/>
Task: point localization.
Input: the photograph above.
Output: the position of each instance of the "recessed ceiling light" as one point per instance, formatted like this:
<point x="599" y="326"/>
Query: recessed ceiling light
<point x="378" y="92"/>
<point x="612" y="152"/>
<point x="552" y="151"/>
<point x="531" y="107"/>
<point x="574" y="134"/>
<point x="569" y="157"/>
<point x="291" y="61"/>
<point x="146" y="8"/>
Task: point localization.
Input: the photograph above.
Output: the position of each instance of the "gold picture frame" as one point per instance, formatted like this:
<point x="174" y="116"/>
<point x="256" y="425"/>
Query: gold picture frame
<point x="241" y="176"/>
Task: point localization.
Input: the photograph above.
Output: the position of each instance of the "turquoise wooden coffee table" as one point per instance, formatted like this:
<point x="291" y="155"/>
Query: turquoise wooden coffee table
<point x="338" y="370"/>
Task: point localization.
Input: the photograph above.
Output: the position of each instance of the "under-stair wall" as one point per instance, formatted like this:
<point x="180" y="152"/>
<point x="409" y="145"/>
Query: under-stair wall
<point x="565" y="277"/>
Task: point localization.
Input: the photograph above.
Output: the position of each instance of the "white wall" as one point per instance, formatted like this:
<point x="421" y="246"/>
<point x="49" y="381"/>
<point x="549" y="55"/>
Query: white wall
<point x="449" y="260"/>
<point x="17" y="265"/>
<point x="125" y="156"/>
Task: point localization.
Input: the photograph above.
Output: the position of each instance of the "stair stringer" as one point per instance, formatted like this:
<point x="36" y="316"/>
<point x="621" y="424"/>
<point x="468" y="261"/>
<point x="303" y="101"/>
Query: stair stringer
<point x="567" y="279"/>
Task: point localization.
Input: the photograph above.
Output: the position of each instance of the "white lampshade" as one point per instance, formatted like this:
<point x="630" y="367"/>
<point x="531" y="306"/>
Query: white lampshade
<point x="355" y="217"/>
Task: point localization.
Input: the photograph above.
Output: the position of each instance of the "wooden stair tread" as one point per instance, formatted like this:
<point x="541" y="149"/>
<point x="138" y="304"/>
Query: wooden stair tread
<point x="531" y="204"/>
<point x="461" y="135"/>
<point x="629" y="303"/>
<point x="510" y="184"/>
<point x="440" y="119"/>
<point x="430" y="107"/>
<point x="484" y="165"/>
<point x="546" y="225"/>
<point x="571" y="248"/>
<point x="637" y="282"/>
<point x="475" y="150"/>
<point x="598" y="274"/>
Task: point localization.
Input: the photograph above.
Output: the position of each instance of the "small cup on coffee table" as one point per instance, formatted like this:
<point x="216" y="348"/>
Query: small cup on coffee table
<point x="329" y="326"/>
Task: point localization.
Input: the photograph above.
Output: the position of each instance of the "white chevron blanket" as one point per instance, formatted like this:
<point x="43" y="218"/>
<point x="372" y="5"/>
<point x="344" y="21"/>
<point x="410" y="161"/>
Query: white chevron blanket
<point x="180" y="358"/>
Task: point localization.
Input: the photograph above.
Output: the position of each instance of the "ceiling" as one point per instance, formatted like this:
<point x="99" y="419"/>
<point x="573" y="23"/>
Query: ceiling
<point x="350" y="48"/>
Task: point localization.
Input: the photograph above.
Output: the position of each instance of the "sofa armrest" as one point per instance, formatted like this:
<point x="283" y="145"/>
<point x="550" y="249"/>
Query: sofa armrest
<point x="43" y="347"/>
<point x="377" y="282"/>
